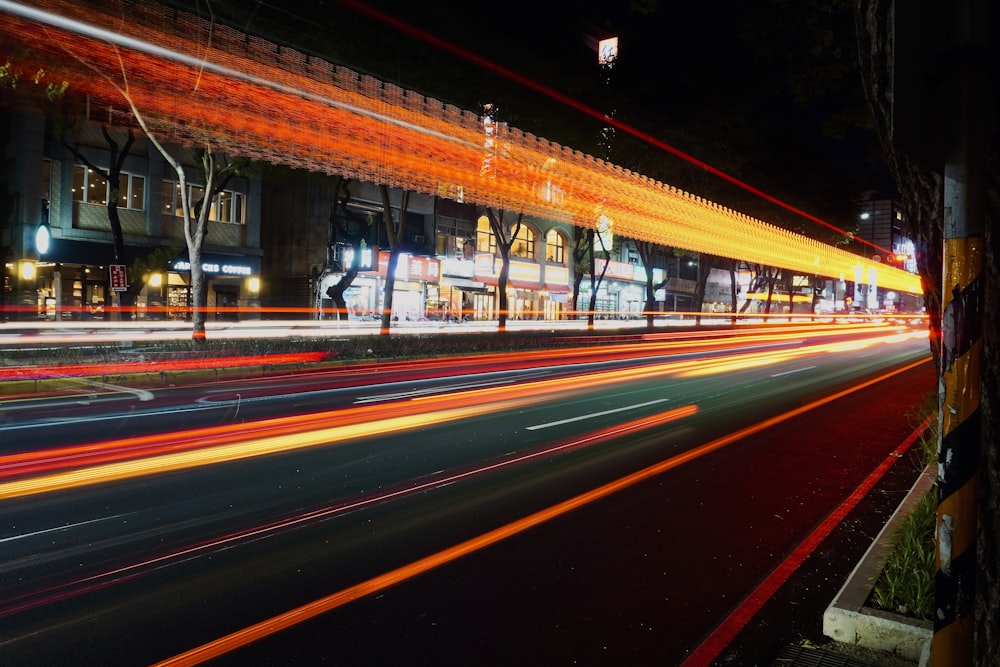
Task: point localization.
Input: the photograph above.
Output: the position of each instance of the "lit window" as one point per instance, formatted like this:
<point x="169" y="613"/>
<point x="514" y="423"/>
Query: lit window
<point x="524" y="243"/>
<point x="555" y="247"/>
<point x="485" y="239"/>
<point x="91" y="187"/>
<point x="97" y="188"/>
<point x="227" y="206"/>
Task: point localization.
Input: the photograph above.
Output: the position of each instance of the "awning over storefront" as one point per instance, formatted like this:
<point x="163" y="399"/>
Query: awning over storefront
<point x="462" y="284"/>
<point x="88" y="253"/>
<point x="557" y="289"/>
<point x="524" y="284"/>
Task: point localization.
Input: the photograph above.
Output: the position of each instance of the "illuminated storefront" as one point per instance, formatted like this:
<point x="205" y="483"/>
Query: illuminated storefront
<point x="232" y="288"/>
<point x="415" y="290"/>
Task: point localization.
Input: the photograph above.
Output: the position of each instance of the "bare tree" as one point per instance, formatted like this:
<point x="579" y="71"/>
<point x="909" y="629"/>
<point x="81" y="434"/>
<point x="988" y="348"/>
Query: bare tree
<point x="394" y="227"/>
<point x="215" y="168"/>
<point x="505" y="236"/>
<point x="112" y="174"/>
<point x="650" y="253"/>
<point x="583" y="244"/>
<point x="761" y="276"/>
<point x="350" y="230"/>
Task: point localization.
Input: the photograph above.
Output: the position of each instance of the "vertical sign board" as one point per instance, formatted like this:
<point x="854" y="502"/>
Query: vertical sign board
<point x="119" y="279"/>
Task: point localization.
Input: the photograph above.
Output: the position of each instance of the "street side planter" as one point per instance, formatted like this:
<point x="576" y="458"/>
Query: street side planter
<point x="849" y="620"/>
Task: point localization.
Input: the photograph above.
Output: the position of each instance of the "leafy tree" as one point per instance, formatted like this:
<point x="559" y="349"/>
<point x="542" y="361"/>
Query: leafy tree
<point x="142" y="268"/>
<point x="37" y="80"/>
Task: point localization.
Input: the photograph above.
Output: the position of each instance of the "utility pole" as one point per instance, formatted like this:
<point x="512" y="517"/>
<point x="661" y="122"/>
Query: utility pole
<point x="959" y="453"/>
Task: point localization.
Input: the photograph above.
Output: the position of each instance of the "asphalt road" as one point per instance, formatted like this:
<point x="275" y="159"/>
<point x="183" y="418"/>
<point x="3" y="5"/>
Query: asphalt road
<point x="160" y="551"/>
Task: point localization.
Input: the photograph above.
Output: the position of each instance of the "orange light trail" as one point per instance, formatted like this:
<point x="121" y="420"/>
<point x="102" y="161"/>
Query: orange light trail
<point x="651" y="344"/>
<point x="604" y="118"/>
<point x="32" y="473"/>
<point x="246" y="97"/>
<point x="716" y="366"/>
<point x="276" y="624"/>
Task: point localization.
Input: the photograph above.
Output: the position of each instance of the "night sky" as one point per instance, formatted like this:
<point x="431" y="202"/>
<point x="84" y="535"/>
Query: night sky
<point x="766" y="91"/>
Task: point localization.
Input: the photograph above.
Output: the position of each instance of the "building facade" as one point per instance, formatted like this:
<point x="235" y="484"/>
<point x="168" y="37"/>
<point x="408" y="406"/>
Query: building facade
<point x="60" y="261"/>
<point x="449" y="262"/>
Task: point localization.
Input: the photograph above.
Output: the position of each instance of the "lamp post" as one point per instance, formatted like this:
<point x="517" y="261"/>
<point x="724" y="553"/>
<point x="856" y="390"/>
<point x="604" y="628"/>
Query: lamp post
<point x="607" y="56"/>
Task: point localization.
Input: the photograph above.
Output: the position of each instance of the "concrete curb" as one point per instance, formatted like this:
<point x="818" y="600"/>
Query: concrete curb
<point x="848" y="620"/>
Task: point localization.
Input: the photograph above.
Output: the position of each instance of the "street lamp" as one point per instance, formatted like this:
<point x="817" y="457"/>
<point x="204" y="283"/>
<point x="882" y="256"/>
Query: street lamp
<point x="607" y="56"/>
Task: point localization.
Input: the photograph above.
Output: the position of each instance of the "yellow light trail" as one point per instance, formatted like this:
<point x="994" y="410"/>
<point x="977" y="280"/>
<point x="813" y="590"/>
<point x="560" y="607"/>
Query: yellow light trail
<point x="238" y="450"/>
<point x="728" y="365"/>
<point x="211" y="84"/>
<point x="276" y="624"/>
<point x="104" y="462"/>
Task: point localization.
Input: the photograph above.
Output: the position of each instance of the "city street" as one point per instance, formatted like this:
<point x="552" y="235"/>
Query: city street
<point x="447" y="515"/>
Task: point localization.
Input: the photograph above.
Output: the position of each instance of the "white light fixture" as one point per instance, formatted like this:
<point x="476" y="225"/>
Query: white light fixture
<point x="43" y="238"/>
<point x="28" y="270"/>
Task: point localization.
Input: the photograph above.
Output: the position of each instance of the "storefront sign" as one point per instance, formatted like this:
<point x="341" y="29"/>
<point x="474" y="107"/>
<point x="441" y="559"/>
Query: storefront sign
<point x="458" y="268"/>
<point x="618" y="270"/>
<point x="408" y="267"/>
<point x="216" y="267"/>
<point x="523" y="275"/>
<point x="118" y="276"/>
<point x="365" y="258"/>
<point x="427" y="269"/>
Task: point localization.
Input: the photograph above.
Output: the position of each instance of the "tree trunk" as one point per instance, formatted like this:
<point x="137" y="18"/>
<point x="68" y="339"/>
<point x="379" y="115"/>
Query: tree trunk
<point x="732" y="289"/>
<point x="502" y="280"/>
<point x="336" y="292"/>
<point x="394" y="229"/>
<point x="388" y="289"/>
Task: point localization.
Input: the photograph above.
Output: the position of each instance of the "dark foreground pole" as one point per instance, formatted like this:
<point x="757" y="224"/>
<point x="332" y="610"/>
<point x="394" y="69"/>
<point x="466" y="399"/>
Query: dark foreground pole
<point x="959" y="450"/>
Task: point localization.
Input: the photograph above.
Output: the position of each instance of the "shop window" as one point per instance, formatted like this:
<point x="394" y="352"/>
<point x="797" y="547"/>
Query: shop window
<point x="555" y="247"/>
<point x="524" y="243"/>
<point x="227" y="206"/>
<point x="90" y="186"/>
<point x="96" y="189"/>
<point x="486" y="241"/>
<point x="452" y="236"/>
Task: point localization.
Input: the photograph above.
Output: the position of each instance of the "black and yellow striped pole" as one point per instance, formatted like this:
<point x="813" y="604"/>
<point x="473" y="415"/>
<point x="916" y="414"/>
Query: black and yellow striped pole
<point x="959" y="453"/>
<point x="960" y="444"/>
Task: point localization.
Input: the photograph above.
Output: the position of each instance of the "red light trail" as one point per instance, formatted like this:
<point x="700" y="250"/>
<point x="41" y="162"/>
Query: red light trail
<point x="594" y="113"/>
<point x="203" y="84"/>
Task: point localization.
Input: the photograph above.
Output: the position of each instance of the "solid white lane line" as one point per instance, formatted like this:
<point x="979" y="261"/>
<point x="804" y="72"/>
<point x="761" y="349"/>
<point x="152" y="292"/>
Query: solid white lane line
<point x="797" y="370"/>
<point x="58" y="529"/>
<point x="596" y="414"/>
<point x="413" y="393"/>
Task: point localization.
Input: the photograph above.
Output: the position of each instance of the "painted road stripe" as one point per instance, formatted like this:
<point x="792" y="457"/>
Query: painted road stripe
<point x="595" y="414"/>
